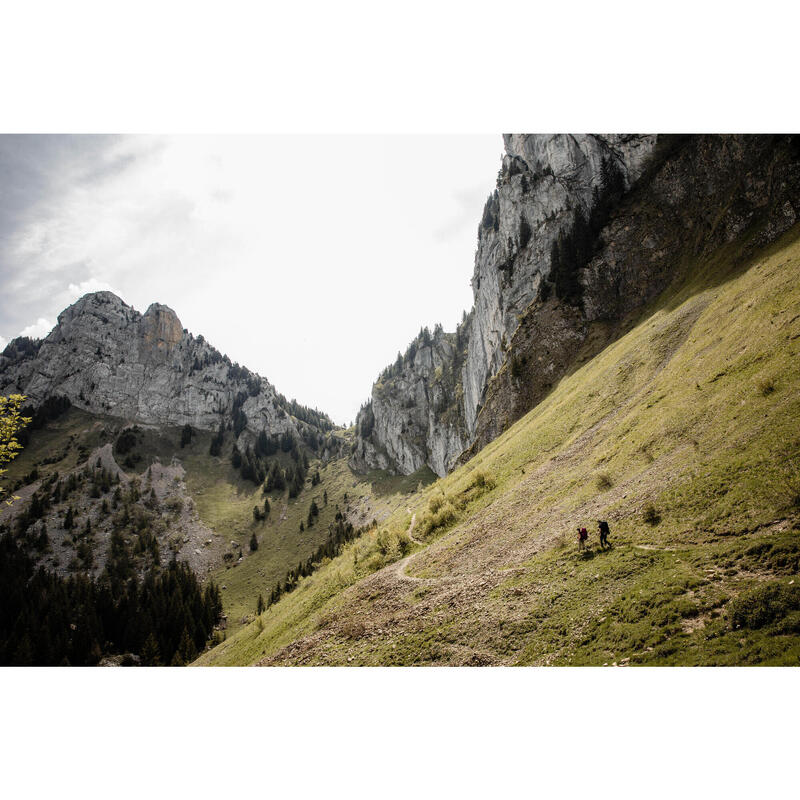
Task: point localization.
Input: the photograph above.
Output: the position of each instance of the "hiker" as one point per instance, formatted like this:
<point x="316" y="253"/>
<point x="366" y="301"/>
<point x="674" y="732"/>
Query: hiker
<point x="604" y="531"/>
<point x="583" y="535"/>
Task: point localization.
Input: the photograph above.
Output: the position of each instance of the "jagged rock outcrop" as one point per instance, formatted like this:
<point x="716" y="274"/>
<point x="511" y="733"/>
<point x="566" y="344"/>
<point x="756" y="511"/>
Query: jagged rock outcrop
<point x="108" y="358"/>
<point x="414" y="416"/>
<point x="692" y="195"/>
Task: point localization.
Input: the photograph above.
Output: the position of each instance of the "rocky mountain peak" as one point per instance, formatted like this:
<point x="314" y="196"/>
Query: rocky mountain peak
<point x="107" y="358"/>
<point x="161" y="330"/>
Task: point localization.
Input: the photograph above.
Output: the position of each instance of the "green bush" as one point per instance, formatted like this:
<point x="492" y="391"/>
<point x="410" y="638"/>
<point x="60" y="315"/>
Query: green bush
<point x="483" y="481"/>
<point x="603" y="481"/>
<point x="764" y="605"/>
<point x="766" y="386"/>
<point x="650" y="515"/>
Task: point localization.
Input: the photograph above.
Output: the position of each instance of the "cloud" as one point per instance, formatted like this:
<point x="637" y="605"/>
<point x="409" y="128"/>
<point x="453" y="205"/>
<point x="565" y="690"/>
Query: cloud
<point x="77" y="290"/>
<point x="249" y="238"/>
<point x="38" y="330"/>
<point x="466" y="215"/>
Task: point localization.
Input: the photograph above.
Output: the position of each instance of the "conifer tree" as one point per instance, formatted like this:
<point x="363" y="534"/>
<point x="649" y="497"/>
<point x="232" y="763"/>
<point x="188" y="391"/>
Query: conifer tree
<point x="253" y="543"/>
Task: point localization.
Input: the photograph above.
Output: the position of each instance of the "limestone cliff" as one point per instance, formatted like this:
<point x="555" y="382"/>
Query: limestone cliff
<point x="543" y="179"/>
<point x="414" y="416"/>
<point x="108" y="358"/>
<point x="677" y="196"/>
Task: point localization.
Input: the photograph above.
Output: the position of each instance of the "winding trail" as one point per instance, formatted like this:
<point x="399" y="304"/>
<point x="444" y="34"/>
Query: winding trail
<point x="411" y="528"/>
<point x="400" y="567"/>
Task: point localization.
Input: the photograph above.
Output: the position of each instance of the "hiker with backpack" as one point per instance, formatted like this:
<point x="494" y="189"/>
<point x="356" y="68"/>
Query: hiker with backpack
<point x="583" y="535"/>
<point x="602" y="526"/>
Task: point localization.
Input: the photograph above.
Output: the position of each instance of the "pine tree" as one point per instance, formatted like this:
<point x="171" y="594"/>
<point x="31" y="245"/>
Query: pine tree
<point x="69" y="520"/>
<point x="260" y="605"/>
<point x="253" y="543"/>
<point x="216" y="443"/>
<point x="266" y="506"/>
<point x="186" y="649"/>
<point x="151" y="657"/>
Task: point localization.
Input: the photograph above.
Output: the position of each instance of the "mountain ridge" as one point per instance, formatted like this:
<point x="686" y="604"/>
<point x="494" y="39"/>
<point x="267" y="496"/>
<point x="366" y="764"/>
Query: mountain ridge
<point x="107" y="358"/>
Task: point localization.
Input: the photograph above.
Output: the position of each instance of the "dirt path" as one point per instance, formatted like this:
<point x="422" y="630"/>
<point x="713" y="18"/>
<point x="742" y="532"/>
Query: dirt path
<point x="411" y="528"/>
<point x="399" y="568"/>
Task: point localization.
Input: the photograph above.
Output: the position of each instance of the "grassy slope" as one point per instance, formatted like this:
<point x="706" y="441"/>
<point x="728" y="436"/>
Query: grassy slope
<point x="694" y="411"/>
<point x="225" y="503"/>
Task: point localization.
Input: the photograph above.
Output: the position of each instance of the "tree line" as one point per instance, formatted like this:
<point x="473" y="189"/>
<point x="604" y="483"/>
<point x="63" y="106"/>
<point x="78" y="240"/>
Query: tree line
<point x="165" y="616"/>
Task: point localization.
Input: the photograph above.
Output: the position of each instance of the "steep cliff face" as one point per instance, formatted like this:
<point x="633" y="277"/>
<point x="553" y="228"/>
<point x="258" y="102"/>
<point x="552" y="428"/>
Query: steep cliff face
<point x="543" y="180"/>
<point x="414" y="416"/>
<point x="108" y="358"/>
<point x="676" y="196"/>
<point x="709" y="193"/>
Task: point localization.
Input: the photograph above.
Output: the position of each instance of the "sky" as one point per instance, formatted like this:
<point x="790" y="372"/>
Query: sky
<point x="311" y="260"/>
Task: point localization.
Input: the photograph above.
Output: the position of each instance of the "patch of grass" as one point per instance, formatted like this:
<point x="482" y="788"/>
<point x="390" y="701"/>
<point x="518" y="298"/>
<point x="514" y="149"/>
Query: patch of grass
<point x="763" y="605"/>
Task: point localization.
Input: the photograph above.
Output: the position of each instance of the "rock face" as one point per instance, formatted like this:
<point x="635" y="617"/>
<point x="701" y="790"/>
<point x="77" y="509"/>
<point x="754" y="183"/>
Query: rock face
<point x="705" y="193"/>
<point x="414" y="417"/>
<point x="543" y="179"/>
<point x="108" y="358"/>
<point x="692" y="195"/>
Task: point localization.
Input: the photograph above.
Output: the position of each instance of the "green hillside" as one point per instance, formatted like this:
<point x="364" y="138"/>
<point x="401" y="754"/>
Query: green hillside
<point x="683" y="434"/>
<point x="224" y="500"/>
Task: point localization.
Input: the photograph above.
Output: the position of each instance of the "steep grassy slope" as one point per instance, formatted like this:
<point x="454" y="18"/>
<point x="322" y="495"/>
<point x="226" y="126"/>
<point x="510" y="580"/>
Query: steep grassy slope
<point x="683" y="434"/>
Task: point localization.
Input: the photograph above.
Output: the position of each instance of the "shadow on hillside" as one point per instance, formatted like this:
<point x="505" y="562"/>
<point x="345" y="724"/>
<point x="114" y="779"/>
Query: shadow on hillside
<point x="385" y="483"/>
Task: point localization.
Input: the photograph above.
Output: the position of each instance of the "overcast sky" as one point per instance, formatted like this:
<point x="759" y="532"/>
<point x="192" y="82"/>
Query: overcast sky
<point x="309" y="259"/>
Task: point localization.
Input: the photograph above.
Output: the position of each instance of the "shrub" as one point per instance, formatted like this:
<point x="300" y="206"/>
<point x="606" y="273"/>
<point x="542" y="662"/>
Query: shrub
<point x="483" y="481"/>
<point x="174" y="504"/>
<point x="391" y="544"/>
<point x="763" y="605"/>
<point x="435" y="503"/>
<point x="651" y="515"/>
<point x="766" y="386"/>
<point x="603" y="481"/>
